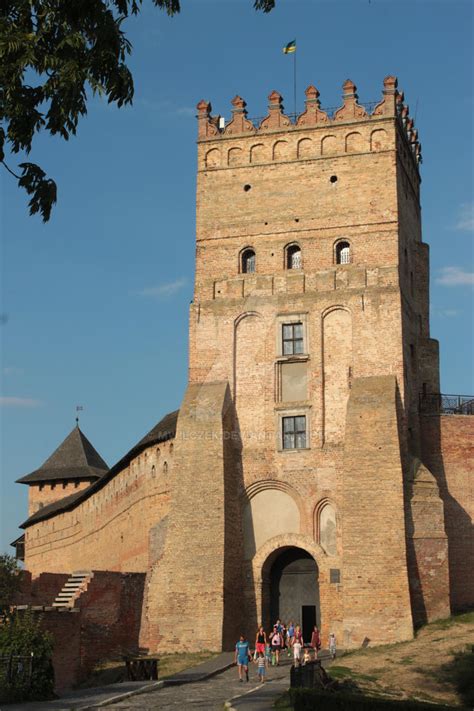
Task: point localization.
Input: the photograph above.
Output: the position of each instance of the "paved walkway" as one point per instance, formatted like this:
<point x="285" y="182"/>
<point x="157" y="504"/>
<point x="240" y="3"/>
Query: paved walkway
<point x="206" y="687"/>
<point x="211" y="695"/>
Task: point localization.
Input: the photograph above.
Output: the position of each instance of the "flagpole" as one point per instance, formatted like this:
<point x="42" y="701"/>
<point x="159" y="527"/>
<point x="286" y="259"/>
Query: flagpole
<point x="294" y="79"/>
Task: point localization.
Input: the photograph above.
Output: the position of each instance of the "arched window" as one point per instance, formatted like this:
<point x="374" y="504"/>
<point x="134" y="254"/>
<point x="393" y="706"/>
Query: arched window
<point x="248" y="261"/>
<point x="293" y="257"/>
<point x="343" y="253"/>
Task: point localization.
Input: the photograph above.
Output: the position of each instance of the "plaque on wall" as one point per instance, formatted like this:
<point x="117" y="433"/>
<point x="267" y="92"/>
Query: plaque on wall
<point x="334" y="575"/>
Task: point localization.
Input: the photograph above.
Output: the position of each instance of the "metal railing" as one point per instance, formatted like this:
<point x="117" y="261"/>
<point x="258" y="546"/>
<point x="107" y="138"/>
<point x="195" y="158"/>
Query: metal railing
<point x="369" y="106"/>
<point x="15" y="669"/>
<point x="441" y="404"/>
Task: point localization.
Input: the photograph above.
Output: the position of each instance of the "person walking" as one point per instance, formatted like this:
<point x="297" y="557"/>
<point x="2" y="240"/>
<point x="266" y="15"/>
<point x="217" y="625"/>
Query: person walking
<point x="297" y="647"/>
<point x="276" y="644"/>
<point x="260" y="641"/>
<point x="298" y="635"/>
<point x="261" y="667"/>
<point x="315" y="641"/>
<point x="242" y="654"/>
<point x="332" y="645"/>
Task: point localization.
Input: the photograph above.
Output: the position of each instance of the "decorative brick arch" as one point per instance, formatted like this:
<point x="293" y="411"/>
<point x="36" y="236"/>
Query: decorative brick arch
<point x="257" y="486"/>
<point x="318" y="509"/>
<point x="258" y="582"/>
<point x="266" y="554"/>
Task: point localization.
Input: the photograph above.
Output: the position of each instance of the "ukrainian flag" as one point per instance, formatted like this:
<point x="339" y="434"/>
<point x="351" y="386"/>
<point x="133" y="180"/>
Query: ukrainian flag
<point x="290" y="47"/>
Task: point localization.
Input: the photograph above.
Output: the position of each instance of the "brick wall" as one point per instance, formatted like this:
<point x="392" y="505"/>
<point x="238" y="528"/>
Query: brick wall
<point x="110" y="529"/>
<point x="41" y="590"/>
<point x="104" y="625"/>
<point x="375" y="577"/>
<point x="448" y="451"/>
<point x="40" y="495"/>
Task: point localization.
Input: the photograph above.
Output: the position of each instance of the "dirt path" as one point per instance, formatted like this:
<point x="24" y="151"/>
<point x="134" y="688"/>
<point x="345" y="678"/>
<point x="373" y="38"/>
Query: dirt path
<point x="421" y="669"/>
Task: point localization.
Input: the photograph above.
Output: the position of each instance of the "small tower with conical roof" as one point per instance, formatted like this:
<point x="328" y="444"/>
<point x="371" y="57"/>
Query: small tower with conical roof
<point x="73" y="466"/>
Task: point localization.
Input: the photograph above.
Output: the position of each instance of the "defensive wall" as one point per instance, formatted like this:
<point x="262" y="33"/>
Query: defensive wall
<point x="111" y="528"/>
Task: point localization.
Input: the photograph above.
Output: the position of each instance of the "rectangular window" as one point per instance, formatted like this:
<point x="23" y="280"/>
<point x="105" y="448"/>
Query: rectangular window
<point x="294" y="432"/>
<point x="292" y="338"/>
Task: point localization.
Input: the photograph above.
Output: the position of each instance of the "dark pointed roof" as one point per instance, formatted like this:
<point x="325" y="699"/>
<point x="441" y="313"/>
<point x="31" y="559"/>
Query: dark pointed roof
<point x="75" y="458"/>
<point x="161" y="432"/>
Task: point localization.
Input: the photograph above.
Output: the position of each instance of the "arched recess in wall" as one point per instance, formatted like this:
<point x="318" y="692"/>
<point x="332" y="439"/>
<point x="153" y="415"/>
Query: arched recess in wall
<point x="293" y="256"/>
<point x="251" y="378"/>
<point x="213" y="158"/>
<point x="355" y="142"/>
<point x="270" y="508"/>
<point x="235" y="156"/>
<point x="305" y="148"/>
<point x="328" y="145"/>
<point x="378" y="140"/>
<point x="281" y="150"/>
<point x="325" y="526"/>
<point x="337" y="371"/>
<point x="257" y="153"/>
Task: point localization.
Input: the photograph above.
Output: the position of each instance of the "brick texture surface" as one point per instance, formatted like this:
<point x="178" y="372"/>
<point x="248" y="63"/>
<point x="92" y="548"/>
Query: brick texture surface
<point x="191" y="514"/>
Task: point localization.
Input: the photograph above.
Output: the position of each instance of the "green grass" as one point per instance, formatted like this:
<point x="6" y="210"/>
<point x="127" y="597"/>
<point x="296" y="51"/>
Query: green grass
<point x="463" y="618"/>
<point x="406" y="660"/>
<point x="338" y="672"/>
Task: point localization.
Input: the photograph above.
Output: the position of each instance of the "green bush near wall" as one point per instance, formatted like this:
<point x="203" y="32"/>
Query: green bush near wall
<point x="24" y="642"/>
<point x="313" y="700"/>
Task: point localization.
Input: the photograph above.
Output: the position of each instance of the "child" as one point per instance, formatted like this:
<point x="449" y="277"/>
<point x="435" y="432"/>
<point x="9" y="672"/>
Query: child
<point x="297" y="646"/>
<point x="332" y="645"/>
<point x="306" y="656"/>
<point x="268" y="652"/>
<point x="261" y="666"/>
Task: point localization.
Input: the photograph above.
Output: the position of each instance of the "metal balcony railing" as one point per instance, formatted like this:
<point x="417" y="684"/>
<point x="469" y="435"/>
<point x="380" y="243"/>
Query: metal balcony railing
<point x="441" y="404"/>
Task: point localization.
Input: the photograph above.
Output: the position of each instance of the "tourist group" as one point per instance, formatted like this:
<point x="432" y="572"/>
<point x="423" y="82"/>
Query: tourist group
<point x="268" y="648"/>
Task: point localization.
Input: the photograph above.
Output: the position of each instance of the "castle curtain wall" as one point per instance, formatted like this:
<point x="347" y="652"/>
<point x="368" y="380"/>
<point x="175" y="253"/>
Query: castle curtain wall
<point x="111" y="529"/>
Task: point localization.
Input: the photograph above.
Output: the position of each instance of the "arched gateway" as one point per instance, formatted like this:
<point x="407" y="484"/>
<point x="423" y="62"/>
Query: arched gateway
<point x="291" y="589"/>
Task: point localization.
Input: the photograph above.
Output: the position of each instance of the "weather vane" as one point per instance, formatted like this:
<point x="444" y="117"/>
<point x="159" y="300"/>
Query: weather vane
<point x="79" y="408"/>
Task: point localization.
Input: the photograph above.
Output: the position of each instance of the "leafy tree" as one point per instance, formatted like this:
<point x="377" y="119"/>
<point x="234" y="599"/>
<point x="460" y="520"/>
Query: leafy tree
<point x="51" y="53"/>
<point x="10" y="576"/>
<point x="24" y="642"/>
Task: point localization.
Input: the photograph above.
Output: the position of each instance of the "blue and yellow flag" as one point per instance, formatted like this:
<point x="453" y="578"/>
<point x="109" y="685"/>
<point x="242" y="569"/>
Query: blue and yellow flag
<point x="290" y="47"/>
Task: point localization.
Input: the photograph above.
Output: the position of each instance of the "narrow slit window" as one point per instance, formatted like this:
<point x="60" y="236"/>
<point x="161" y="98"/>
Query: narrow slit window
<point x="248" y="261"/>
<point x="292" y="338"/>
<point x="294" y="432"/>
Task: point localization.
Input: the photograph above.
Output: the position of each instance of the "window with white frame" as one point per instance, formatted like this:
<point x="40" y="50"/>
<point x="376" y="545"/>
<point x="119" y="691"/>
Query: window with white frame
<point x="294" y="432"/>
<point x="248" y="261"/>
<point x="292" y="338"/>
<point x="293" y="257"/>
<point x="343" y="253"/>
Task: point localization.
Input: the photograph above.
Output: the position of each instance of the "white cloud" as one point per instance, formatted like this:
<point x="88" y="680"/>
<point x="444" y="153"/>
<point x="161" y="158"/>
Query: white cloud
<point x="455" y="276"/>
<point x="164" y="106"/>
<point x="9" y="401"/>
<point x="164" y="290"/>
<point x="447" y="313"/>
<point x="466" y="217"/>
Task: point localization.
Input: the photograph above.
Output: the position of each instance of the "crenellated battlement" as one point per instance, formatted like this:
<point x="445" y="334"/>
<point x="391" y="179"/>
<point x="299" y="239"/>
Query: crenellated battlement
<point x="392" y="104"/>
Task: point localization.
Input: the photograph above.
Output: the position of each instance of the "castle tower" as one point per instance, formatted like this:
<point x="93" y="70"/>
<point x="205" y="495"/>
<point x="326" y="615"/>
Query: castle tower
<point x="309" y="346"/>
<point x="72" y="467"/>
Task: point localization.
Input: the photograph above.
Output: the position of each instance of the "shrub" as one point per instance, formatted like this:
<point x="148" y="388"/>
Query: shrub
<point x="462" y="669"/>
<point x="21" y="636"/>
<point x="312" y="699"/>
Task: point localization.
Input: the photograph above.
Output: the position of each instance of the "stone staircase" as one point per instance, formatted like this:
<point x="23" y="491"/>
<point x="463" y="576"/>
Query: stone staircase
<point x="75" y="585"/>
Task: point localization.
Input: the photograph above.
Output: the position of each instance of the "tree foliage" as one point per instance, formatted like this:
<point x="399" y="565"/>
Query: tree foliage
<point x="29" y="650"/>
<point x="51" y="53"/>
<point x="10" y="578"/>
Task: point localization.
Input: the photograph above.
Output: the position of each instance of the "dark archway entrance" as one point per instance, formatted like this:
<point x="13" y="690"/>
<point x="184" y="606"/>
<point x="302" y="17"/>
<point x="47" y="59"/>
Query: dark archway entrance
<point x="294" y="590"/>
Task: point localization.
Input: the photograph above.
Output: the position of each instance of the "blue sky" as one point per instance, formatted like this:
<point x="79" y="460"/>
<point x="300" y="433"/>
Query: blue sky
<point x="96" y="301"/>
